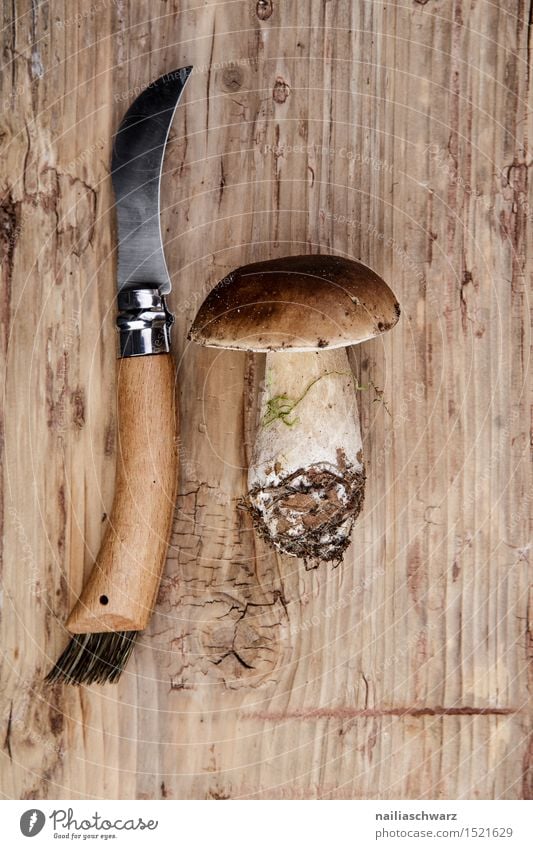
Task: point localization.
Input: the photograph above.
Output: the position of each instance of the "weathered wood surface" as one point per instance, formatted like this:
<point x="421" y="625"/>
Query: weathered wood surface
<point x="396" y="134"/>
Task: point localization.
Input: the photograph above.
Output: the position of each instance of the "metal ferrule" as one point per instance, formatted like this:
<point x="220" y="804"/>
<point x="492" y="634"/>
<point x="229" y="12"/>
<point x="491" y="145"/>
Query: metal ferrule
<point x="143" y="323"/>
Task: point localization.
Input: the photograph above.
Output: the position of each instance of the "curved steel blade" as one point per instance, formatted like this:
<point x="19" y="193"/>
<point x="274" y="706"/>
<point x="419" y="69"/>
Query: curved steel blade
<point x="136" y="165"/>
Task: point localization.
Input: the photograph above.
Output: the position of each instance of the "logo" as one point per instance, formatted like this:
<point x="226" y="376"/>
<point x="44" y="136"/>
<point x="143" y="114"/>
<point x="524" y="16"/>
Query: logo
<point x="32" y="822"/>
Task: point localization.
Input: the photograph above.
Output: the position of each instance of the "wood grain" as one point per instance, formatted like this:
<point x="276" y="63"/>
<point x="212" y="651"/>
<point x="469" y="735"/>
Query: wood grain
<point x="121" y="590"/>
<point x="395" y="134"/>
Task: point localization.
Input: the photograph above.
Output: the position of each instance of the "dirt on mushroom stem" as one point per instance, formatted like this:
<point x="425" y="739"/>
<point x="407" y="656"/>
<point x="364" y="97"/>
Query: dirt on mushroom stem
<point x="306" y="480"/>
<point x="312" y="510"/>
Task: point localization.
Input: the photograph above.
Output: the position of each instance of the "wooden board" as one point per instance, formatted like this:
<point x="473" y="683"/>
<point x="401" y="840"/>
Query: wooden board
<point x="397" y="134"/>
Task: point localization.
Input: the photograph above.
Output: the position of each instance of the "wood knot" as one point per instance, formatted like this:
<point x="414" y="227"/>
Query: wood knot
<point x="232" y="78"/>
<point x="281" y="90"/>
<point x="228" y="641"/>
<point x="264" y="9"/>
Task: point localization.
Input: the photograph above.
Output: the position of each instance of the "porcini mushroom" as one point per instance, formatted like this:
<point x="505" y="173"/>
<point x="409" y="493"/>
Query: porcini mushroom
<point x="306" y="477"/>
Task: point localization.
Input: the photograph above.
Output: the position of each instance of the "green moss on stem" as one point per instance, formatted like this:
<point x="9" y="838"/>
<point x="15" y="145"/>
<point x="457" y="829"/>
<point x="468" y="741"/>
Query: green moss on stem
<point x="281" y="407"/>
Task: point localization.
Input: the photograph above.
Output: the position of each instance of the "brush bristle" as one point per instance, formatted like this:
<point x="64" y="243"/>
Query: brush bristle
<point x="94" y="658"/>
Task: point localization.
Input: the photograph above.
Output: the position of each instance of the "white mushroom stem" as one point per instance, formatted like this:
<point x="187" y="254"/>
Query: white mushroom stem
<point x="306" y="478"/>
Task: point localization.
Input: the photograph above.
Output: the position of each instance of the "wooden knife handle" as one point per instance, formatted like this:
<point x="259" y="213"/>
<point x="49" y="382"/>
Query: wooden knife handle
<point x="121" y="590"/>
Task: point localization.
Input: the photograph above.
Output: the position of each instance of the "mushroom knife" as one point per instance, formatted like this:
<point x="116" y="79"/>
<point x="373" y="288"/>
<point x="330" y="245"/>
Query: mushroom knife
<point x="118" y="598"/>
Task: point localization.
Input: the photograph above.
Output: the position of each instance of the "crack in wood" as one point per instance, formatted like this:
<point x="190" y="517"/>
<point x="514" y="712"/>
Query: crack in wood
<point x="353" y="713"/>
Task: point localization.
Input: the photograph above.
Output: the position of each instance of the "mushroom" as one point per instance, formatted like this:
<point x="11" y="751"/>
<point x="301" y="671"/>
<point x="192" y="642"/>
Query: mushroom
<point x="306" y="478"/>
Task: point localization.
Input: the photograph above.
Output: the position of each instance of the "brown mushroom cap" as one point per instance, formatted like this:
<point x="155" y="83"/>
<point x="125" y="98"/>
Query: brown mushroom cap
<point x="296" y="303"/>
